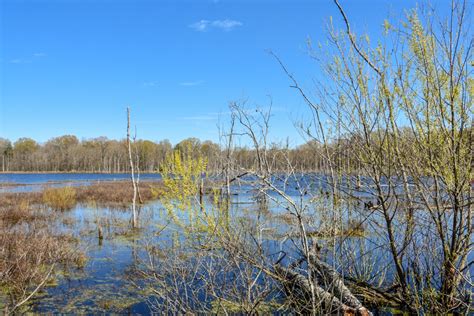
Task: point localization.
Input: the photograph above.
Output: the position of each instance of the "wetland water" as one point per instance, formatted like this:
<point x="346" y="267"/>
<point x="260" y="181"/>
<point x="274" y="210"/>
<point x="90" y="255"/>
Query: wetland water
<point x="24" y="182"/>
<point x="106" y="282"/>
<point x="102" y="284"/>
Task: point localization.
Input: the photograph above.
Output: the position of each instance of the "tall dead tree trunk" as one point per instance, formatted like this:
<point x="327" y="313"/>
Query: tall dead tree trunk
<point x="132" y="172"/>
<point x="137" y="159"/>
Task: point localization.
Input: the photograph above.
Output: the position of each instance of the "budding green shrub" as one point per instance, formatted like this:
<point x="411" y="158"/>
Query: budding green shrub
<point x="60" y="199"/>
<point x="182" y="174"/>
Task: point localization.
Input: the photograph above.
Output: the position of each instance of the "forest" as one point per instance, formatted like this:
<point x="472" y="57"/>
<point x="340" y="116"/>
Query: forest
<point x="69" y="154"/>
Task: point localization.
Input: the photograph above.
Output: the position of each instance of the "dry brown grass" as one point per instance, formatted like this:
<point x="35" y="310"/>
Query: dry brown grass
<point x="60" y="199"/>
<point x="29" y="256"/>
<point x="17" y="207"/>
<point x="12" y="200"/>
<point x="115" y="193"/>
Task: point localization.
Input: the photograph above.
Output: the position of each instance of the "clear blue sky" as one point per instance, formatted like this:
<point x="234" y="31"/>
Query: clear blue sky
<point x="72" y="66"/>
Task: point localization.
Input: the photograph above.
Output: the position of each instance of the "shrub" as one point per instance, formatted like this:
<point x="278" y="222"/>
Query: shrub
<point x="182" y="176"/>
<point x="28" y="258"/>
<point x="60" y="199"/>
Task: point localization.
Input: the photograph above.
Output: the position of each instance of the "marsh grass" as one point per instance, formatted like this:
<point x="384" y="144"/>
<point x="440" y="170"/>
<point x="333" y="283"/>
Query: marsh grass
<point x="117" y="193"/>
<point x="61" y="199"/>
<point x="18" y="207"/>
<point x="21" y="214"/>
<point x="33" y="252"/>
<point x="30" y="257"/>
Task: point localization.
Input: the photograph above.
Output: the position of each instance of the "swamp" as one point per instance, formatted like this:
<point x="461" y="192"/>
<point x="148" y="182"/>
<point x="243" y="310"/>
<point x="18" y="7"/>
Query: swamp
<point x="352" y="194"/>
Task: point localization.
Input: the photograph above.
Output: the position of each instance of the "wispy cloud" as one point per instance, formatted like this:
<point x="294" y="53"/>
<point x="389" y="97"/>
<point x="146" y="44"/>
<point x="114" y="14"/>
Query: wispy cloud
<point x="27" y="60"/>
<point x="200" y="118"/>
<point x="150" y="83"/>
<point x="191" y="83"/>
<point x="225" y="25"/>
<point x="200" y="26"/>
<point x="19" y="61"/>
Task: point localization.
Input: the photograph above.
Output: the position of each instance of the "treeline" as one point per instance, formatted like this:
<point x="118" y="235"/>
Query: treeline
<point x="69" y="154"/>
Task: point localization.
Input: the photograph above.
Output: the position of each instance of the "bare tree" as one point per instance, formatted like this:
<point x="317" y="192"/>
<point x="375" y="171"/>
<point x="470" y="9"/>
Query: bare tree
<point x="405" y="107"/>
<point x="132" y="173"/>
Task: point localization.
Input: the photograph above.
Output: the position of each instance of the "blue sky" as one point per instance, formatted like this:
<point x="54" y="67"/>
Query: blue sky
<point x="72" y="67"/>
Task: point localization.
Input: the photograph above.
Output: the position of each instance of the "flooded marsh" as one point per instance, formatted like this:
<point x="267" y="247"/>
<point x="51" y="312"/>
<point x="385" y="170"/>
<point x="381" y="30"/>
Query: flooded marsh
<point x="77" y="242"/>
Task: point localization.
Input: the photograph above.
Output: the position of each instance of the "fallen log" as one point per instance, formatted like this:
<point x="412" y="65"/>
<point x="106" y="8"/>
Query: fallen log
<point x="330" y="279"/>
<point x="298" y="290"/>
<point x="330" y="292"/>
<point x="375" y="296"/>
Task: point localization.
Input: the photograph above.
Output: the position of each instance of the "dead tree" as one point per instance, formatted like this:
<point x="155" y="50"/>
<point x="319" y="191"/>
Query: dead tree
<point x="332" y="294"/>
<point x="132" y="173"/>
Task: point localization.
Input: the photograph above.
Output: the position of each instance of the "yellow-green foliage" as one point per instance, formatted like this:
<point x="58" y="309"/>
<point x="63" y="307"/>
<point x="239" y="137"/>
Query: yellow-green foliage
<point x="60" y="199"/>
<point x="182" y="173"/>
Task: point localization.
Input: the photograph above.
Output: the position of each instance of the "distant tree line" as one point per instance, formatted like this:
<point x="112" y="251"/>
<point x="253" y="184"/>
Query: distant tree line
<point x="69" y="154"/>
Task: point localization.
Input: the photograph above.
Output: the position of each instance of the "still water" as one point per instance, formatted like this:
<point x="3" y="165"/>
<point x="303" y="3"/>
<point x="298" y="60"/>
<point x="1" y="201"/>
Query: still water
<point x="26" y="182"/>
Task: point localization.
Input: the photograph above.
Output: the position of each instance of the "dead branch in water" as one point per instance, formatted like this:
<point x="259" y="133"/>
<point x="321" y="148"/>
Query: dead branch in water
<point x="331" y="292"/>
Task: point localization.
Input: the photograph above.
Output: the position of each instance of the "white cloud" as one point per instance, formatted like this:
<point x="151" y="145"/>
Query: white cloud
<point x="191" y="83"/>
<point x="200" y="26"/>
<point x="39" y="55"/>
<point x="225" y="25"/>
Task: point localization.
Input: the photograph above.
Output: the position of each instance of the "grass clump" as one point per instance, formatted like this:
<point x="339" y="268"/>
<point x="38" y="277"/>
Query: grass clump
<point x="60" y="199"/>
<point x="18" y="207"/>
<point x="114" y="193"/>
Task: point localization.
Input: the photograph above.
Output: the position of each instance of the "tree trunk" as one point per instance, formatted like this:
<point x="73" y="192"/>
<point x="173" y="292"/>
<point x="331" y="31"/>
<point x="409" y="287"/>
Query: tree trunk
<point x="132" y="172"/>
